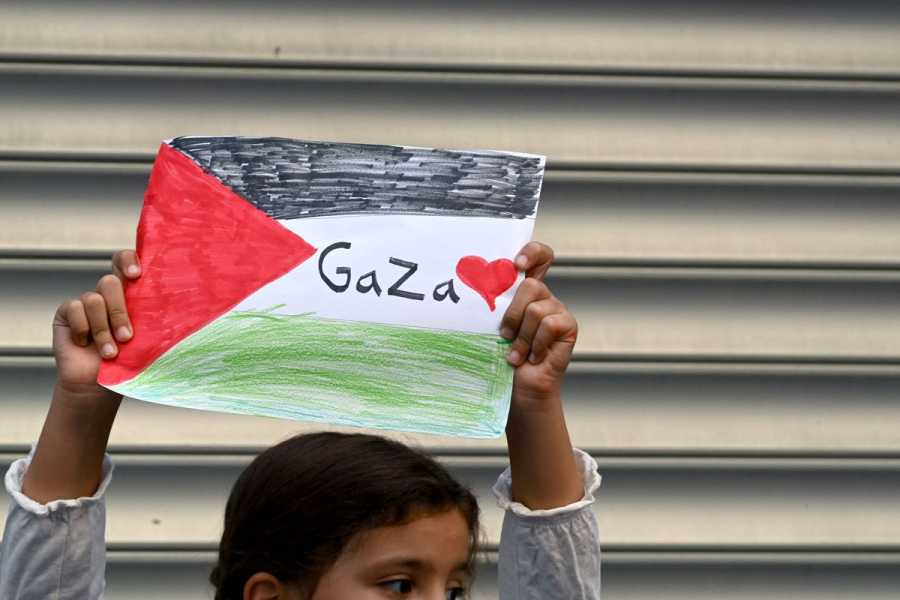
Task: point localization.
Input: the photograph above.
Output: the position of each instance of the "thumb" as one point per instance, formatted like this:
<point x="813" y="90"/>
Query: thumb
<point x="559" y="355"/>
<point x="65" y="333"/>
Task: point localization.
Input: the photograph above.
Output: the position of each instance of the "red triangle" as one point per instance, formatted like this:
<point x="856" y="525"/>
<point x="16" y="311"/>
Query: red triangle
<point x="203" y="249"/>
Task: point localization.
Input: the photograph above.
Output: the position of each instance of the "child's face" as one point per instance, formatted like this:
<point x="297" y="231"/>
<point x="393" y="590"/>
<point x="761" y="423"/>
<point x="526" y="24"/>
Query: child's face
<point x="424" y="559"/>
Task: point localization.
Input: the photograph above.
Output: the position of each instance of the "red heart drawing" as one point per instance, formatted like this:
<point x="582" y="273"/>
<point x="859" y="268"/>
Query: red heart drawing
<point x="489" y="279"/>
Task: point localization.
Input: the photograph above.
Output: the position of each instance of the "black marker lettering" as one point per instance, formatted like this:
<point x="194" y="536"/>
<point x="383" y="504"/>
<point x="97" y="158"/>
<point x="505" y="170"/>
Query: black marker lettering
<point x="395" y="290"/>
<point x="340" y="270"/>
<point x="372" y="284"/>
<point x="442" y="290"/>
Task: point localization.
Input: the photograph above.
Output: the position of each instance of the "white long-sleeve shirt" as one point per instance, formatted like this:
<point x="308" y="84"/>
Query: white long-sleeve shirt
<point x="57" y="550"/>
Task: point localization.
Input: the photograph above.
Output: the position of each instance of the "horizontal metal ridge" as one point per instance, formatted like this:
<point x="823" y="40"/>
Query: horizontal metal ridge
<point x="805" y="270"/>
<point x="695" y="363"/>
<point x="649" y="458"/>
<point x="612" y="554"/>
<point x="555" y="167"/>
<point x="139" y="163"/>
<point x="172" y="458"/>
<point x="590" y="269"/>
<point x="478" y="68"/>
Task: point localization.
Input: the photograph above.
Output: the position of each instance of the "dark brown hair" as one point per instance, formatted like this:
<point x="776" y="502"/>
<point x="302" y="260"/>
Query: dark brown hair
<point x="295" y="507"/>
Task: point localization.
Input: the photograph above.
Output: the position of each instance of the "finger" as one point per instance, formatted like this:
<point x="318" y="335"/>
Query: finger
<point x="95" y="308"/>
<point x="530" y="290"/>
<point x="535" y="259"/>
<point x="110" y="287"/>
<point x="534" y="314"/>
<point x="71" y="315"/>
<point x="126" y="265"/>
<point x="552" y="329"/>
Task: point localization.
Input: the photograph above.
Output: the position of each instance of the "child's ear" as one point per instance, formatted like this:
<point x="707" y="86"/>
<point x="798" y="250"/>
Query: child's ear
<point x="263" y="586"/>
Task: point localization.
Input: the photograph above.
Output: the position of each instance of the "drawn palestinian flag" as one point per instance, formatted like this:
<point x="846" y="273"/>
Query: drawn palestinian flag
<point x="346" y="283"/>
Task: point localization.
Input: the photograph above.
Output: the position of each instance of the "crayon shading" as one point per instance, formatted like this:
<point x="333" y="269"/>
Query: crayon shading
<point x="350" y="284"/>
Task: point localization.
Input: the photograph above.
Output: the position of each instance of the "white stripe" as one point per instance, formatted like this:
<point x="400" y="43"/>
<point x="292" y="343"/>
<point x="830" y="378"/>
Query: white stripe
<point x="435" y="244"/>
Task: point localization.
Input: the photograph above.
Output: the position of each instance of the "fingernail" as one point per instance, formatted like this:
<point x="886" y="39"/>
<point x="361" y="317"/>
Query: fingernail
<point x="532" y="358"/>
<point x="521" y="261"/>
<point x="123" y="333"/>
<point x="514" y="357"/>
<point x="108" y="350"/>
<point x="134" y="270"/>
<point x="507" y="333"/>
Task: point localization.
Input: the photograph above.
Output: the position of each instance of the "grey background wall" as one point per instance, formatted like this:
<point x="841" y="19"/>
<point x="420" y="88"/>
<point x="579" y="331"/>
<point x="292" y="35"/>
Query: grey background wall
<point x="723" y="193"/>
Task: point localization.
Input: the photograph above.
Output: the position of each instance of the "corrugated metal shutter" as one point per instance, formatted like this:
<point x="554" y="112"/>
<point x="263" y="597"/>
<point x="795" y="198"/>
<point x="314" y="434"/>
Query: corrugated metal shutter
<point x="723" y="192"/>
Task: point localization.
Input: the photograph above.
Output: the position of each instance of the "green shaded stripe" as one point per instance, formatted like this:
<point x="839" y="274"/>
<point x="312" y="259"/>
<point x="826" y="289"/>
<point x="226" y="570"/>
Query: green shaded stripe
<point x="339" y="372"/>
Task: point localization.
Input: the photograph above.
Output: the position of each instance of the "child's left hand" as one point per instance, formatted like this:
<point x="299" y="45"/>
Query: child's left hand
<point x="543" y="333"/>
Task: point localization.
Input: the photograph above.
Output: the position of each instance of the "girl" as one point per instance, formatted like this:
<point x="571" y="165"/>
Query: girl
<point x="322" y="516"/>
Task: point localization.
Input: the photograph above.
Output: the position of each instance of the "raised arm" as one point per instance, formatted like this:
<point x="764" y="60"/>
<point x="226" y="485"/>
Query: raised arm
<point x="549" y="546"/>
<point x="543" y="333"/>
<point x="68" y="460"/>
<point x="53" y="544"/>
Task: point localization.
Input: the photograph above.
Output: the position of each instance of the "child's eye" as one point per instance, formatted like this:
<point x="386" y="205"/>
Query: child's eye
<point x="456" y="593"/>
<point x="398" y="586"/>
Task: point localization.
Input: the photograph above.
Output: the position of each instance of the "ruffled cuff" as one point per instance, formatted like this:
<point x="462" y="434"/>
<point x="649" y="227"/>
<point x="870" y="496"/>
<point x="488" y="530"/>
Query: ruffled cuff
<point x="16" y="473"/>
<point x="587" y="467"/>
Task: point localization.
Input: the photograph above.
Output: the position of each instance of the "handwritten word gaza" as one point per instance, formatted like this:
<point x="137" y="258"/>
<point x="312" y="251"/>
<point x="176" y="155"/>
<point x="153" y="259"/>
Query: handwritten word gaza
<point x="489" y="279"/>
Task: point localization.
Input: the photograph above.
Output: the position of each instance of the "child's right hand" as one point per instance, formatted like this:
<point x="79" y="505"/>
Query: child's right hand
<point x="68" y="460"/>
<point x="89" y="328"/>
